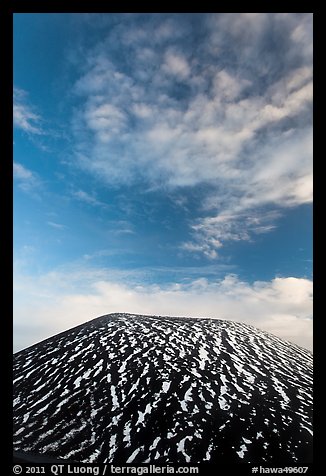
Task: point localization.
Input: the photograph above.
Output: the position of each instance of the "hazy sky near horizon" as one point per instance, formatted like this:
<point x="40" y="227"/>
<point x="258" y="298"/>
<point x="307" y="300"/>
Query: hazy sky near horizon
<point x="163" y="165"/>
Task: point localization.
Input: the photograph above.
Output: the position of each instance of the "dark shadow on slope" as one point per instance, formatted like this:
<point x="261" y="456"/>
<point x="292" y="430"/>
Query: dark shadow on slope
<point x="20" y="457"/>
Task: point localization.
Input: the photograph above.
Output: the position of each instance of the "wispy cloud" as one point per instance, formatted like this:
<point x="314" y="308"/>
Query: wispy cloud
<point x="27" y="180"/>
<point x="231" y="109"/>
<point x="88" y="198"/>
<point x="124" y="228"/>
<point x="210" y="233"/>
<point x="282" y="306"/>
<point x="24" y="115"/>
<point x="176" y="65"/>
<point x="57" y="226"/>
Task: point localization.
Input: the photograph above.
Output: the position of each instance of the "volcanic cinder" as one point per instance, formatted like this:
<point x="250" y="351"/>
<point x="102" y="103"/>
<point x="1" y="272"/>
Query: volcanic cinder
<point x="127" y="388"/>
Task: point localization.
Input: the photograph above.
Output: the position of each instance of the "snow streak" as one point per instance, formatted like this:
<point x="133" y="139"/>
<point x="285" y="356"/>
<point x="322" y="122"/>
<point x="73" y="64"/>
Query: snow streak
<point x="136" y="389"/>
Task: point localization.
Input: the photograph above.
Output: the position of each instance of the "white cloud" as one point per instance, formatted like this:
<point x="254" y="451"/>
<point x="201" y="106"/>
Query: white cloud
<point x="167" y="30"/>
<point x="209" y="133"/>
<point x="282" y="306"/>
<point x="122" y="227"/>
<point x="106" y="120"/>
<point x="88" y="198"/>
<point x="227" y="86"/>
<point x="57" y="226"/>
<point x="241" y="128"/>
<point x="230" y="214"/>
<point x="24" y="116"/>
<point x="176" y="65"/>
<point x="205" y="247"/>
<point x="21" y="172"/>
<point x="142" y="110"/>
<point x="27" y="180"/>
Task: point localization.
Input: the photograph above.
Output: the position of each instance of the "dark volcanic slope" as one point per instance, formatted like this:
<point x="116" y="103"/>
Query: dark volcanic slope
<point x="138" y="389"/>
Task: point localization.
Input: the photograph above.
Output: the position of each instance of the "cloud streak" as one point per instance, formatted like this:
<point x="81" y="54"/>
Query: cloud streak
<point x="27" y="180"/>
<point x="56" y="226"/>
<point x="23" y="114"/>
<point x="88" y="198"/>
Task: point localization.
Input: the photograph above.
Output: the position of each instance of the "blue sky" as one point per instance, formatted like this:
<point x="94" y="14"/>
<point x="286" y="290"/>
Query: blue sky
<point x="163" y="164"/>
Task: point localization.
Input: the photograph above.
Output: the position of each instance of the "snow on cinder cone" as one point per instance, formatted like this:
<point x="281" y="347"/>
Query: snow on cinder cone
<point x="127" y="388"/>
